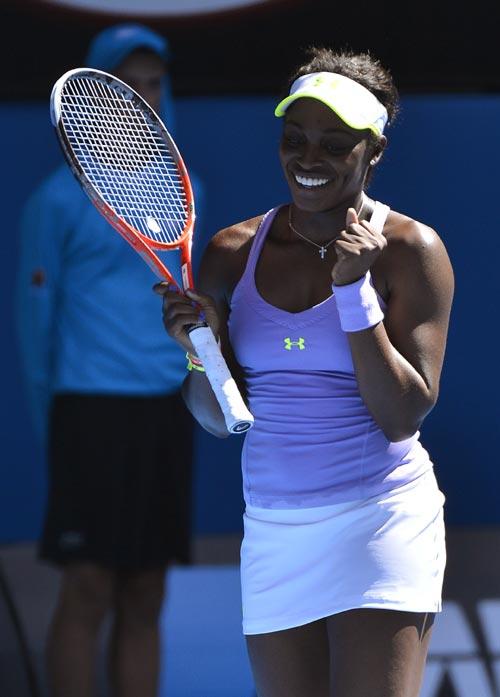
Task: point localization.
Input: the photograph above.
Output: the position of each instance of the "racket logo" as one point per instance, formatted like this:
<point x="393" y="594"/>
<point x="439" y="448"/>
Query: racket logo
<point x="289" y="343"/>
<point x="241" y="427"/>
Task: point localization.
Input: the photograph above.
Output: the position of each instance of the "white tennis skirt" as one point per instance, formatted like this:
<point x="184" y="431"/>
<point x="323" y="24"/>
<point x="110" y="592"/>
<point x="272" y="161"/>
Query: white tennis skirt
<point x="300" y="565"/>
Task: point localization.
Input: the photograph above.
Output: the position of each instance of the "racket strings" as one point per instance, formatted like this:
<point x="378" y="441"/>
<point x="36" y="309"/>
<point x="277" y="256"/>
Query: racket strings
<point x="125" y="158"/>
<point x="134" y="156"/>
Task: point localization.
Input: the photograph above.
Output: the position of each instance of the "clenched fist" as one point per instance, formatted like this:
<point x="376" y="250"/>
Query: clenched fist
<point x="357" y="248"/>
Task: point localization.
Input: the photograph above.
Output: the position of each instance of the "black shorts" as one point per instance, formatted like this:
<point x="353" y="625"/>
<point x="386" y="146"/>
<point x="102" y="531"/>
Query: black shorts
<point x="119" y="481"/>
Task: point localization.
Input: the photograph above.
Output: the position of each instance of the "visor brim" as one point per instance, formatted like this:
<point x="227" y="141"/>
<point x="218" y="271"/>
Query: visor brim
<point x="348" y="119"/>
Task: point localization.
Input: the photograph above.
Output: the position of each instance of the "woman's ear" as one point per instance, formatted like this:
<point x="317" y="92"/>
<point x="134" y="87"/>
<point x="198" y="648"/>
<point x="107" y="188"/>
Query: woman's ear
<point x="378" y="151"/>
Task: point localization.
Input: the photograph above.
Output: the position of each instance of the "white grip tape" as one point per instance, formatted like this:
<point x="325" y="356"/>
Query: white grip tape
<point x="238" y="418"/>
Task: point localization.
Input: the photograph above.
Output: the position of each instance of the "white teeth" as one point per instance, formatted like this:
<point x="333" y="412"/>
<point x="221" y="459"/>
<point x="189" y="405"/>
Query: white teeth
<point x="310" y="181"/>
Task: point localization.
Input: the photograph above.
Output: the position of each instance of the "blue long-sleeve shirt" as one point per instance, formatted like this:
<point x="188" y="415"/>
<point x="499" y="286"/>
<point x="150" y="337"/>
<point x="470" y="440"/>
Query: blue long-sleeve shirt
<point x="88" y="319"/>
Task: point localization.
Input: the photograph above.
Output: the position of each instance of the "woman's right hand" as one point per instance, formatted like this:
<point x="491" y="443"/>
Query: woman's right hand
<point x="183" y="310"/>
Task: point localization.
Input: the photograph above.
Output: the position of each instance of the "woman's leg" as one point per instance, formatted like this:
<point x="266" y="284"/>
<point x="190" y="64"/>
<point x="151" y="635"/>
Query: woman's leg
<point x="380" y="653"/>
<point x="291" y="663"/>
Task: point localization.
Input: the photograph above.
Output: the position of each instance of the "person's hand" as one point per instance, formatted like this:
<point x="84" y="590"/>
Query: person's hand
<point x="357" y="248"/>
<point x="181" y="311"/>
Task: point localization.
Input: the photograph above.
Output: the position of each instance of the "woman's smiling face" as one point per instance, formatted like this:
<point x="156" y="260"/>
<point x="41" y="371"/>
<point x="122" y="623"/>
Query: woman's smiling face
<point x="325" y="161"/>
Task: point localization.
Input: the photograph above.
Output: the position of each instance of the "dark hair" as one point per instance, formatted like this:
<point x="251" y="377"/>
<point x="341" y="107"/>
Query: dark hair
<point x="361" y="67"/>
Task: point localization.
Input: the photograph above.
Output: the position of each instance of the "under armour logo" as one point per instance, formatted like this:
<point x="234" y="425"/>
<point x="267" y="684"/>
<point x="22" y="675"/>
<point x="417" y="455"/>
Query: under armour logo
<point x="321" y="79"/>
<point x="289" y="343"/>
<point x="71" y="539"/>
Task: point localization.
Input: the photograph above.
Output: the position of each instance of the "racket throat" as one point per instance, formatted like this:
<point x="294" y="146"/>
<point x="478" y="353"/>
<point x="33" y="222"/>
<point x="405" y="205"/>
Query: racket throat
<point x="187" y="276"/>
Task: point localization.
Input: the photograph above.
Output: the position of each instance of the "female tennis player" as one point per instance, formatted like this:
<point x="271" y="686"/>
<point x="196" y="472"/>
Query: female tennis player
<point x="332" y="311"/>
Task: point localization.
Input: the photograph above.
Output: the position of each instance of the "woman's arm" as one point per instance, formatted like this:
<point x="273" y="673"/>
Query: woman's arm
<point x="398" y="361"/>
<point x="179" y="312"/>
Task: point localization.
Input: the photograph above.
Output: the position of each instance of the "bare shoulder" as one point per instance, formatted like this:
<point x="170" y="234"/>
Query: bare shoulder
<point x="226" y="255"/>
<point x="410" y="240"/>
<point x="235" y="237"/>
<point x="415" y="256"/>
<point x="402" y="231"/>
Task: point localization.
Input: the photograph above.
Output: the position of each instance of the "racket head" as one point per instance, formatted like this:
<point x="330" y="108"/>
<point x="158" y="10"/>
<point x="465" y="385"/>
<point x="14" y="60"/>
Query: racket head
<point x="126" y="161"/>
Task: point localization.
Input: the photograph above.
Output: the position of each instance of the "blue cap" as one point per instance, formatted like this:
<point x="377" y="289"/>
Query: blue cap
<point x="111" y="46"/>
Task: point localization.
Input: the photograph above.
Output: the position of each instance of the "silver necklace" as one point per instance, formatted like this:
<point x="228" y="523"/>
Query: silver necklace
<point x="321" y="247"/>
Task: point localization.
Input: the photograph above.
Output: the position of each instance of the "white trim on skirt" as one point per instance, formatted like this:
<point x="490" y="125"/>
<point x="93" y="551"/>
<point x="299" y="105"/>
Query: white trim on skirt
<point x="301" y="565"/>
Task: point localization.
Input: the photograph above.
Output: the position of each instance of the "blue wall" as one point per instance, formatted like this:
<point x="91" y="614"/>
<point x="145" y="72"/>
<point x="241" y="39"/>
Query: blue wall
<point x="441" y="167"/>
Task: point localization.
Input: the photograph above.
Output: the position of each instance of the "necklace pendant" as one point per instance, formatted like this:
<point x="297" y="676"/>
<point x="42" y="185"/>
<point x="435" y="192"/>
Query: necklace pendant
<point x="322" y="251"/>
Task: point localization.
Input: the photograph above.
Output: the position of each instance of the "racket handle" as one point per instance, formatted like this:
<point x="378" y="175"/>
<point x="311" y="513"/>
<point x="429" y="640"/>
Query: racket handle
<point x="238" y="418"/>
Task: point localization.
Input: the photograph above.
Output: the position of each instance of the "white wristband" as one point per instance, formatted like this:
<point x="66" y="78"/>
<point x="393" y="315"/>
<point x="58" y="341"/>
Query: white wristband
<point x="357" y="305"/>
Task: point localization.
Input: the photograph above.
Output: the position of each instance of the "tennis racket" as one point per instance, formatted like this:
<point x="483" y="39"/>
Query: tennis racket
<point x="127" y="162"/>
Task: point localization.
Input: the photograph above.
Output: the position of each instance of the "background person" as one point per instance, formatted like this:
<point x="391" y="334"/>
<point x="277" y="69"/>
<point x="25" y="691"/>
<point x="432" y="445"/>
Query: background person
<point x="103" y="382"/>
<point x="343" y="555"/>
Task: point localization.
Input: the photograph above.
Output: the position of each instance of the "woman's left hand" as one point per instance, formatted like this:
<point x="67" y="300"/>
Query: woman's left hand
<point x="357" y="248"/>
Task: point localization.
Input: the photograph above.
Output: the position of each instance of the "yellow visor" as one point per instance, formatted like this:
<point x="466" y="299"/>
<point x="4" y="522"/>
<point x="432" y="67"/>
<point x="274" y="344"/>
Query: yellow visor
<point x="353" y="103"/>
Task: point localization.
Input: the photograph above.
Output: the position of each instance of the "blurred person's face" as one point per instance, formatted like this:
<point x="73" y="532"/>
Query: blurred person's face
<point x="143" y="71"/>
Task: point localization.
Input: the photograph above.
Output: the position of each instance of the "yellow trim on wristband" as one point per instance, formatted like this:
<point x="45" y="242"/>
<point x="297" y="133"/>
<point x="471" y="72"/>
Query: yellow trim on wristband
<point x="194" y="365"/>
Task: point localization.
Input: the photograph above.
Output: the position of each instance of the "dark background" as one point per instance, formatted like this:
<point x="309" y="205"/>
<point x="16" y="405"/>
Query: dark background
<point x="439" y="46"/>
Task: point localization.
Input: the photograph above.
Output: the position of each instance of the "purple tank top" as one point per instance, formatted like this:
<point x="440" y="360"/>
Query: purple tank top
<point x="314" y="442"/>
